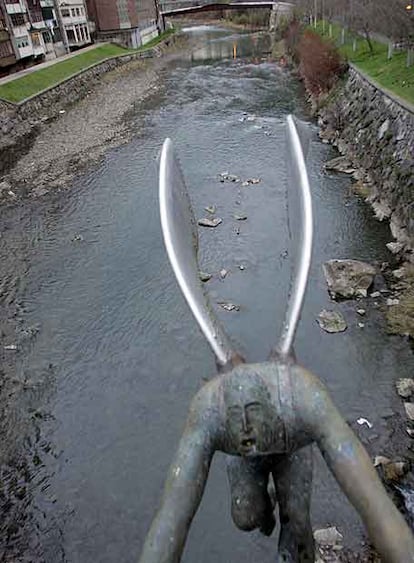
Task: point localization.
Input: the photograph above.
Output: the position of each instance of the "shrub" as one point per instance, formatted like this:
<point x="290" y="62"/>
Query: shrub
<point x="320" y="64"/>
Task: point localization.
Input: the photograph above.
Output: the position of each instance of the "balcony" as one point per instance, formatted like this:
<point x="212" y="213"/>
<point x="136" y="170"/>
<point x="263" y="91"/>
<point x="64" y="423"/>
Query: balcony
<point x="46" y="3"/>
<point x="16" y="8"/>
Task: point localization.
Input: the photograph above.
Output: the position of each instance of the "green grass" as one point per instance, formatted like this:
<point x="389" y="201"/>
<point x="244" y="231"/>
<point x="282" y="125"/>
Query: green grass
<point x="391" y="74"/>
<point x="34" y="82"/>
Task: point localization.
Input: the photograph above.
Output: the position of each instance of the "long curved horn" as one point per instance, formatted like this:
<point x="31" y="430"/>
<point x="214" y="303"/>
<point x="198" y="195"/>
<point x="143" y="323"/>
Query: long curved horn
<point x="300" y="221"/>
<point x="181" y="241"/>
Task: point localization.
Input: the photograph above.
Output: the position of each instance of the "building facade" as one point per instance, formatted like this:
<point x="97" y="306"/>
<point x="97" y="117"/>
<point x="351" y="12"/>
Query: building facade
<point x="129" y="22"/>
<point x="30" y="30"/>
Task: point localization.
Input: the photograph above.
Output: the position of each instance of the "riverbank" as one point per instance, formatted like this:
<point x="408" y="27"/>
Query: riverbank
<point x="56" y="149"/>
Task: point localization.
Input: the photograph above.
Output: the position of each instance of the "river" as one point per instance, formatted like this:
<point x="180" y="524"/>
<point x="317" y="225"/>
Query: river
<point x="115" y="356"/>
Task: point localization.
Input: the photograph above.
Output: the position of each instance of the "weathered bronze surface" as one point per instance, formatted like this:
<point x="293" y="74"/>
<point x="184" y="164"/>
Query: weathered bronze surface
<point x="265" y="416"/>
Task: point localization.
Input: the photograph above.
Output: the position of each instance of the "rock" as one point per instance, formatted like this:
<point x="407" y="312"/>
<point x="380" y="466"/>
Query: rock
<point x="250" y="181"/>
<point x="383" y="129"/>
<point x="240" y="217"/>
<point x="328" y="536"/>
<point x="362" y="189"/>
<point x="225" y="176"/>
<point x="405" y="387"/>
<point x="223" y="273"/>
<point x="331" y="321"/>
<point x="381" y="460"/>
<point x="381" y="210"/>
<point x="210" y="209"/>
<point x="390" y="302"/>
<point x="395" y="247"/>
<point x="227" y="306"/>
<point x="392" y="470"/>
<point x="361" y="312"/>
<point x="206" y="222"/>
<point x="340" y="164"/>
<point x="348" y="278"/>
<point x="205" y="276"/>
<point x="409" y="409"/>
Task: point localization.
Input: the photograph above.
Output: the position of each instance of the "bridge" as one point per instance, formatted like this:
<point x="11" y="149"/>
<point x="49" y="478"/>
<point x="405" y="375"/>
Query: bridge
<point x="184" y="7"/>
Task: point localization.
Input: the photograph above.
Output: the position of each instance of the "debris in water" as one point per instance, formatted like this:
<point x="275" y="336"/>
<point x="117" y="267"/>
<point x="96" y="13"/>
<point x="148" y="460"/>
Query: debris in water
<point x="362" y="421"/>
<point x="206" y="222"/>
<point x="361" y="312"/>
<point x="240" y="217"/>
<point x="225" y="176"/>
<point x="223" y="273"/>
<point x="375" y="294"/>
<point x="331" y="321"/>
<point x="361" y="325"/>
<point x="10" y="347"/>
<point x="77" y="238"/>
<point x="241" y="267"/>
<point x="227" y="306"/>
<point x="391" y="302"/>
<point x="251" y="181"/>
<point x="210" y="209"/>
<point x="62" y="111"/>
<point x="205" y="276"/>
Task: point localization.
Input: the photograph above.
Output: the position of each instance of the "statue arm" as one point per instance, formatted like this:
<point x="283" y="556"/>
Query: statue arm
<point x="352" y="468"/>
<point x="182" y="492"/>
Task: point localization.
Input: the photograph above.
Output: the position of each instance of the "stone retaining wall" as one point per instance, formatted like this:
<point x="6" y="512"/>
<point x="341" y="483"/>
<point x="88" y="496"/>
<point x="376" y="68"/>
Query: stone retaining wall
<point x="18" y="122"/>
<point x="375" y="129"/>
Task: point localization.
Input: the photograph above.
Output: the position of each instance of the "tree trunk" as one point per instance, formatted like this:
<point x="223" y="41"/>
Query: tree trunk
<point x="368" y="40"/>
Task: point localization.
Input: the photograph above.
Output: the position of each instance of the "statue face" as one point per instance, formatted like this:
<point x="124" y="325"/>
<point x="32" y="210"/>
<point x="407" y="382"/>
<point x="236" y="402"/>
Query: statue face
<point x="251" y="420"/>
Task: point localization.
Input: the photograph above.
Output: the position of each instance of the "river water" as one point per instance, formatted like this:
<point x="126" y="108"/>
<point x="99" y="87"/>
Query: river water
<point x="117" y="356"/>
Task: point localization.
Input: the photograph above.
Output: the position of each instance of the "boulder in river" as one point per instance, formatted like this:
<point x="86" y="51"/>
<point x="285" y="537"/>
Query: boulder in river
<point x="340" y="164"/>
<point x="331" y="321"/>
<point x="206" y="222"/>
<point x="348" y="278"/>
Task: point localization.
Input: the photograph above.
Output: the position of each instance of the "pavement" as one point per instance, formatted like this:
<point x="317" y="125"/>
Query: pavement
<point x="51" y="62"/>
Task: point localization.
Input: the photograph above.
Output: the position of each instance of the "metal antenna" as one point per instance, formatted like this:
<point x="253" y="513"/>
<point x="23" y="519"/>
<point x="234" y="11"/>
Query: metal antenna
<point x="300" y="223"/>
<point x="181" y="241"/>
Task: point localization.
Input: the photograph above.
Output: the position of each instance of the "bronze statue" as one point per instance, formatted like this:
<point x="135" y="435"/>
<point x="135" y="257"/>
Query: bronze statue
<point x="264" y="416"/>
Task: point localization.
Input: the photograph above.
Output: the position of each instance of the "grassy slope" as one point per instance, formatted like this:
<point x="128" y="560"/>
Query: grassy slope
<point x="391" y="74"/>
<point x="34" y="82"/>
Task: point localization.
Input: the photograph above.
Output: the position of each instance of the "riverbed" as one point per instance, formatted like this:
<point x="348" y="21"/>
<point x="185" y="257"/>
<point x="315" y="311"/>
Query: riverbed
<point x="107" y="355"/>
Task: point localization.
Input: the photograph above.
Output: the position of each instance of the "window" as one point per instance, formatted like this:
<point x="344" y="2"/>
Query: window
<point x="65" y="13"/>
<point x="71" y="35"/>
<point x="22" y="41"/>
<point x="17" y="19"/>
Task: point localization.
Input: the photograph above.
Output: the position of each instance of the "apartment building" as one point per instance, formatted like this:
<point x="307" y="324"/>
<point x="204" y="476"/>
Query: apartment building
<point x="30" y="30"/>
<point x="7" y="54"/>
<point x="129" y="22"/>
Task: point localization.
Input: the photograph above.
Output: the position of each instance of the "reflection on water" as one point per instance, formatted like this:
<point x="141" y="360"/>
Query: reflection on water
<point x="254" y="46"/>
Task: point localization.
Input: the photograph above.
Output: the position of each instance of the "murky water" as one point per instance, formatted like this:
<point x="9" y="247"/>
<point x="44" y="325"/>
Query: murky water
<point x="118" y="356"/>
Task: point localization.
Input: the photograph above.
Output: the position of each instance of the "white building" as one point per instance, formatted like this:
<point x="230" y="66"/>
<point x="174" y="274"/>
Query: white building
<point x="75" y="21"/>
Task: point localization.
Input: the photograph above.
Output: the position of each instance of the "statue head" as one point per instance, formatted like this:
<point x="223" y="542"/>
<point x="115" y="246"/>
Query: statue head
<point x="253" y="426"/>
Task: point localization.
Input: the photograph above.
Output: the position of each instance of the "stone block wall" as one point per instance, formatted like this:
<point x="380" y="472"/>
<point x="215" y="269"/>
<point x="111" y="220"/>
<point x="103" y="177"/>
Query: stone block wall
<point x="376" y="130"/>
